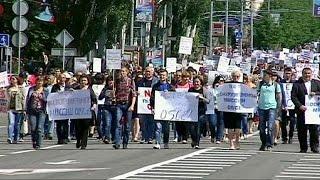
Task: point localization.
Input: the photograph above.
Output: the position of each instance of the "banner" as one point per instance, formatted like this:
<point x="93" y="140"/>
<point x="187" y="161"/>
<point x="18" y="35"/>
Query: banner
<point x="210" y="94"/>
<point x="218" y="29"/>
<point x="236" y="97"/>
<point x="171" y="65"/>
<point x="245" y="67"/>
<point x="223" y="64"/>
<point x="176" y="106"/>
<point x="3" y="101"/>
<point x="287" y="87"/>
<point x="80" y="64"/>
<point x="144" y="10"/>
<point x="69" y="105"/>
<point x="144" y="100"/>
<point x="113" y="59"/>
<point x="96" y="67"/>
<point x="185" y="46"/>
<point x="4" y="81"/>
<point x="312" y="114"/>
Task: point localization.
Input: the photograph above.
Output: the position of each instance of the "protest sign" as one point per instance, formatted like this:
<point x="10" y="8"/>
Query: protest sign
<point x="3" y="101"/>
<point x="210" y="94"/>
<point x="144" y="100"/>
<point x="171" y="65"/>
<point x="313" y="67"/>
<point x="113" y="59"/>
<point x="312" y="114"/>
<point x="287" y="87"/>
<point x="213" y="74"/>
<point x="97" y="88"/>
<point x="195" y="66"/>
<point x="176" y="106"/>
<point x="185" y="46"/>
<point x="69" y="105"/>
<point x="4" y="81"/>
<point x="96" y="67"/>
<point x="245" y="67"/>
<point x="223" y="64"/>
<point x="80" y="64"/>
<point x="236" y="97"/>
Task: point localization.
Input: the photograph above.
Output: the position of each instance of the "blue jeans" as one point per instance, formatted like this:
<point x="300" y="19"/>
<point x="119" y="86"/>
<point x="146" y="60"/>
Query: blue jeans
<point x="108" y="119"/>
<point x="122" y="111"/>
<point x="216" y="125"/>
<point x="162" y="127"/>
<point x="48" y="126"/>
<point x="244" y="123"/>
<point x="196" y="128"/>
<point x="266" y="124"/>
<point x="148" y="127"/>
<point x="37" y="124"/>
<point x="14" y="120"/>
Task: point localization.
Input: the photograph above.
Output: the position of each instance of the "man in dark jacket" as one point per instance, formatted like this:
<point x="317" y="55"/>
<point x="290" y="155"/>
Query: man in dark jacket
<point x="162" y="85"/>
<point x="62" y="125"/>
<point x="305" y="86"/>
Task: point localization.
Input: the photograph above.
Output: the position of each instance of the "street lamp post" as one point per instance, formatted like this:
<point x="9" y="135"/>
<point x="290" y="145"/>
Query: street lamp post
<point x="241" y="27"/>
<point x="227" y="24"/>
<point x="210" y="28"/>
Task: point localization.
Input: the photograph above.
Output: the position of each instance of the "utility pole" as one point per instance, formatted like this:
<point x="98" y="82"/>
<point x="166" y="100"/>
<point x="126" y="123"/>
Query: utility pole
<point x="164" y="35"/>
<point x="241" y="27"/>
<point x="132" y="23"/>
<point x="227" y="24"/>
<point x="251" y="25"/>
<point x="210" y="28"/>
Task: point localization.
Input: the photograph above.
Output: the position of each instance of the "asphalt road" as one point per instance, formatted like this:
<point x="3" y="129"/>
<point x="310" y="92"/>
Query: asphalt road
<point x="140" y="161"/>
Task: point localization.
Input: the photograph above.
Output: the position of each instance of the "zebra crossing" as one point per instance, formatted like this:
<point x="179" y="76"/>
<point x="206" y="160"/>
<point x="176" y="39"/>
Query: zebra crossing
<point x="307" y="167"/>
<point x="196" y="165"/>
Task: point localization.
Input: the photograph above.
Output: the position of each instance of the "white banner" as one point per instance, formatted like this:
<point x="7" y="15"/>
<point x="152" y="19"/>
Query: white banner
<point x="210" y="94"/>
<point x="236" y="97"/>
<point x="96" y="67"/>
<point x="287" y="87"/>
<point x="176" y="106"/>
<point x="97" y="88"/>
<point x="312" y="114"/>
<point x="4" y="81"/>
<point x="69" y="105"/>
<point x="113" y="59"/>
<point x="3" y="101"/>
<point x="245" y="67"/>
<point x="80" y="64"/>
<point x="185" y="46"/>
<point x="144" y="100"/>
<point x="313" y="67"/>
<point x="171" y="65"/>
<point x="223" y="64"/>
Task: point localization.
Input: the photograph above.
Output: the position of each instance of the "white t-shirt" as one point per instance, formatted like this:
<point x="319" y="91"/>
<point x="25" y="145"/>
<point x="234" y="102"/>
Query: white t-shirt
<point x="308" y="86"/>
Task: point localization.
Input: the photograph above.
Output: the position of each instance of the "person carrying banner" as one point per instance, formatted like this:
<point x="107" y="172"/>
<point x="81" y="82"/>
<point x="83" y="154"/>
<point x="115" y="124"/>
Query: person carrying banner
<point x="268" y="103"/>
<point x="148" y="121"/>
<point x="126" y="99"/>
<point x="62" y="126"/>
<point x="287" y="115"/>
<point x="197" y="127"/>
<point x="36" y="106"/>
<point x="305" y="86"/>
<point x="161" y="126"/>
<point x="82" y="125"/>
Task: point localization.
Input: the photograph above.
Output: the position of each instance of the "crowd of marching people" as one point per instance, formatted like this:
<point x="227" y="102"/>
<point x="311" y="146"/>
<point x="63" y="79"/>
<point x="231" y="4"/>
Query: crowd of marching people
<point x="114" y="110"/>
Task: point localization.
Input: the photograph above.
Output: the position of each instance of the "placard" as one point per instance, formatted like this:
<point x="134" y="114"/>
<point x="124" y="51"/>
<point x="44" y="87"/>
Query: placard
<point x="287" y="87"/>
<point x="3" y="101"/>
<point x="236" y="97"/>
<point x="223" y="64"/>
<point x="185" y="46"/>
<point x="80" y="64"/>
<point x="210" y="94"/>
<point x="96" y="67"/>
<point x="69" y="105"/>
<point x="144" y="100"/>
<point x="176" y="106"/>
<point x="4" y="81"/>
<point x="312" y="114"/>
<point x="113" y="59"/>
<point x="171" y="65"/>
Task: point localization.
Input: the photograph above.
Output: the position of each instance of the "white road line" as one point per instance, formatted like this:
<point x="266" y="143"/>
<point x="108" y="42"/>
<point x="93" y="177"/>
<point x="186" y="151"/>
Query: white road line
<point x="31" y="150"/>
<point x="186" y="167"/>
<point x="230" y="152"/>
<point x="298" y="167"/>
<point x="224" y="155"/>
<point x="194" y="162"/>
<point x="147" y="178"/>
<point x="300" y="173"/>
<point x="216" y="160"/>
<point x="309" y="159"/>
<point x="301" y="170"/>
<point x="3" y="126"/>
<point x="176" y="173"/>
<point x="299" y="177"/>
<point x="2" y="155"/>
<point x="182" y="170"/>
<point x="177" y="177"/>
<point x="302" y="164"/>
<point x="199" y="165"/>
<point x="132" y="173"/>
<point x="312" y="156"/>
<point x="219" y="157"/>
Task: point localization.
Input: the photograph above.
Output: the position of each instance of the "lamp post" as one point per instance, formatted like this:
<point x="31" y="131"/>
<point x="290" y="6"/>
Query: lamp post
<point x="210" y="28"/>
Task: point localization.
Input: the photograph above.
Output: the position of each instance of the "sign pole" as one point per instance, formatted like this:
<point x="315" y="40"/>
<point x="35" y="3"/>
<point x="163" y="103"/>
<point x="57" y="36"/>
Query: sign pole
<point x="19" y="40"/>
<point x="7" y="58"/>
<point x="210" y="29"/>
<point x="64" y="49"/>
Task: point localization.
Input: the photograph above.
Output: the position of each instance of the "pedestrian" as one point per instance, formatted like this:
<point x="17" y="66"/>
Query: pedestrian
<point x="268" y="104"/>
<point x="161" y="126"/>
<point x="311" y="87"/>
<point x="49" y="124"/>
<point x="82" y="125"/>
<point x="36" y="106"/>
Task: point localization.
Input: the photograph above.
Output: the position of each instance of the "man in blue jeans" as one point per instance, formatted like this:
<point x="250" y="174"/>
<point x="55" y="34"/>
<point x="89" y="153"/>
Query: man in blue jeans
<point x="268" y="105"/>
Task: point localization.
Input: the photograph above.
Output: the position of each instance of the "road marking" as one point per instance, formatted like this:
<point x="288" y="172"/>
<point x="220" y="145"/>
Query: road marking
<point x="216" y="160"/>
<point x="176" y="173"/>
<point x="199" y="165"/>
<point x="186" y="170"/>
<point x="178" y="177"/>
<point x="299" y="177"/>
<point x="195" y="162"/>
<point x="302" y="164"/>
<point x="298" y="167"/>
<point x="31" y="150"/>
<point x="309" y="159"/>
<point x="224" y="155"/>
<point x="186" y="167"/>
<point x="220" y="157"/>
<point x="43" y="171"/>
<point x="132" y="173"/>
<point x="2" y="155"/>
<point x="301" y="170"/>
<point x="63" y="162"/>
<point x="300" y="173"/>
